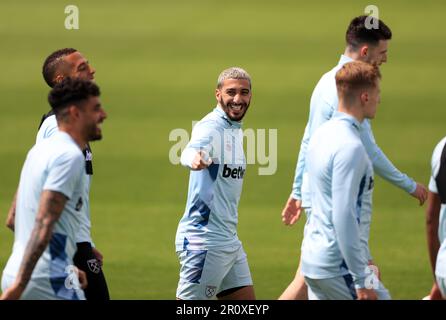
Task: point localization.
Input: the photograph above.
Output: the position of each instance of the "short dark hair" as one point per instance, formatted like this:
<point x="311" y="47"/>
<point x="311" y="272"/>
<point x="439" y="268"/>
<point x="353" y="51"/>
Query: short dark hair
<point x="357" y="33"/>
<point x="71" y="91"/>
<point x="53" y="62"/>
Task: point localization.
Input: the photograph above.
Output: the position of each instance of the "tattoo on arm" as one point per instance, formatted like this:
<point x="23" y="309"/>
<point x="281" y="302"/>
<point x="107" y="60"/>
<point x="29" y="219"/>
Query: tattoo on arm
<point x="51" y="206"/>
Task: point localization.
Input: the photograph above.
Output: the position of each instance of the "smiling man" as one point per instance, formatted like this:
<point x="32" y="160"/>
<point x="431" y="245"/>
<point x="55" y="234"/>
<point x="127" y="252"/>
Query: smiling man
<point x="213" y="262"/>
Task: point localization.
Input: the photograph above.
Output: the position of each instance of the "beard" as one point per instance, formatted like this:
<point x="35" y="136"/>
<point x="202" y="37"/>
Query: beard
<point x="234" y="111"/>
<point x="94" y="133"/>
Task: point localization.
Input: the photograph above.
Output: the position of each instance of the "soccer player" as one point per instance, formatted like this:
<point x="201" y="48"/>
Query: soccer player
<point x="334" y="257"/>
<point x="436" y="220"/>
<point x="363" y="44"/>
<point x="63" y="63"/>
<point x="50" y="199"/>
<point x="213" y="262"/>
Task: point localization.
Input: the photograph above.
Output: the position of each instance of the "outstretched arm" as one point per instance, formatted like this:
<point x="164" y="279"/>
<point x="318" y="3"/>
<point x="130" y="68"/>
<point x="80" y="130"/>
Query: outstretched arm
<point x="198" y="152"/>
<point x="385" y="168"/>
<point x="51" y="206"/>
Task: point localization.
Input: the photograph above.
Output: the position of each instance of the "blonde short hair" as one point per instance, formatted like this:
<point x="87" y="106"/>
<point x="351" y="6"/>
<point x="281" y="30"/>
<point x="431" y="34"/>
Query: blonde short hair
<point x="233" y="73"/>
<point x="354" y="76"/>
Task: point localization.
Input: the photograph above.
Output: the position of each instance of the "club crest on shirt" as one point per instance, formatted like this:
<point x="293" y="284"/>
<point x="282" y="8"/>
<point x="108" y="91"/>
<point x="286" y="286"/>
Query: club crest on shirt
<point x="93" y="265"/>
<point x="210" y="291"/>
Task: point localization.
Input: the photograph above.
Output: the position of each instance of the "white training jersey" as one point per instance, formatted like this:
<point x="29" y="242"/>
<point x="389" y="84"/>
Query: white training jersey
<point x="435" y="186"/>
<point x="47" y="129"/>
<point x="55" y="164"/>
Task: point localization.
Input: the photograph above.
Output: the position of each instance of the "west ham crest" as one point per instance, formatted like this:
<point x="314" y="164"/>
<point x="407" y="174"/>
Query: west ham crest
<point x="93" y="265"/>
<point x="210" y="291"/>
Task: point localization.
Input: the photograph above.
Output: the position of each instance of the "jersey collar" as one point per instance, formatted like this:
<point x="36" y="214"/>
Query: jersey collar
<point x="223" y="115"/>
<point x="346" y="117"/>
<point x="344" y="59"/>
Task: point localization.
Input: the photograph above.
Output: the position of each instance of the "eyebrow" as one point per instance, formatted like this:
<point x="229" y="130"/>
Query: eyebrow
<point x="235" y="89"/>
<point x="83" y="63"/>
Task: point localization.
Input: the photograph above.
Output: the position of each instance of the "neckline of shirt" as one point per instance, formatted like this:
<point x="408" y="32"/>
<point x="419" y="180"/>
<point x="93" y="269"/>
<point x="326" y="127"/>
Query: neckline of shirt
<point x="225" y="117"/>
<point x="345" y="116"/>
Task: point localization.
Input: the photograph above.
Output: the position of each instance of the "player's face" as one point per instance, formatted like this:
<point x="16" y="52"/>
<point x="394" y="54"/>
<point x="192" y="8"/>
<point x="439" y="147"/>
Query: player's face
<point x="377" y="55"/>
<point x="372" y="100"/>
<point x="92" y="115"/>
<point x="234" y="97"/>
<point x="79" y="68"/>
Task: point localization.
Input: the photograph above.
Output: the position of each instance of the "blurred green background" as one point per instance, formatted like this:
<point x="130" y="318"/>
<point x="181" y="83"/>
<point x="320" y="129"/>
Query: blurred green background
<point x="157" y="63"/>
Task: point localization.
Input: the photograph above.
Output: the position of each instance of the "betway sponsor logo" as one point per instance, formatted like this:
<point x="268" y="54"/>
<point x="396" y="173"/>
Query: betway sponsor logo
<point x="235" y="173"/>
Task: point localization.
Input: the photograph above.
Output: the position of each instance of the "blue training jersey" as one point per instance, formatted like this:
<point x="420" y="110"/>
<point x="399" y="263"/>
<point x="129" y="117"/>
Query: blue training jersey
<point x="323" y="104"/>
<point x="341" y="178"/>
<point x="211" y="215"/>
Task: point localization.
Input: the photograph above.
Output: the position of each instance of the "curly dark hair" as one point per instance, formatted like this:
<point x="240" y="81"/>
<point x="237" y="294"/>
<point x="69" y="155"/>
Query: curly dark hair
<point x="71" y="91"/>
<point x="53" y="62"/>
<point x="357" y="33"/>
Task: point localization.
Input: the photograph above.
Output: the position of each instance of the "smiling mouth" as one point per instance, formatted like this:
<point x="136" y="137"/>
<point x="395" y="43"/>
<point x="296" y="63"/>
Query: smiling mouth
<point x="236" y="107"/>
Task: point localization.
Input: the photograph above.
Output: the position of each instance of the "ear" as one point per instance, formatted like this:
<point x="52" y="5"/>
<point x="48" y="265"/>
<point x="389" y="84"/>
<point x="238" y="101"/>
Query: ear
<point x="364" y="97"/>
<point x="58" y="78"/>
<point x="217" y="94"/>
<point x="364" y="51"/>
<point x="73" y="112"/>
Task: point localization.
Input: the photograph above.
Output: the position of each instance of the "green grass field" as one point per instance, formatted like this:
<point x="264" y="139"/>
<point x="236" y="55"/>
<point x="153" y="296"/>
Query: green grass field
<point x="157" y="64"/>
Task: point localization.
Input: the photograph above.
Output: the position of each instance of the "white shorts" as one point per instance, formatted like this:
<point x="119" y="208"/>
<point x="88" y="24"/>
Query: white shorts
<point x="206" y="273"/>
<point x="45" y="289"/>
<point x="441" y="282"/>
<point x="339" y="288"/>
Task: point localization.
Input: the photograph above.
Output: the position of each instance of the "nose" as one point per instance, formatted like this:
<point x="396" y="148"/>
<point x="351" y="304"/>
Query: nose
<point x="92" y="70"/>
<point x="238" y="98"/>
<point x="104" y="115"/>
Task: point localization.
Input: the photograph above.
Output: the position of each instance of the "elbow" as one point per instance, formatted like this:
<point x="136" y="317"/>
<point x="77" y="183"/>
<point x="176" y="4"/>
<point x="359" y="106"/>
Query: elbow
<point x="10" y="224"/>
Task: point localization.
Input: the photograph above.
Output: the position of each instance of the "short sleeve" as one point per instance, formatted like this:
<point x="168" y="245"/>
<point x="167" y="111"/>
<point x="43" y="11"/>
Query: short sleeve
<point x="435" y="165"/>
<point x="433" y="185"/>
<point x="48" y="128"/>
<point x="64" y="173"/>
